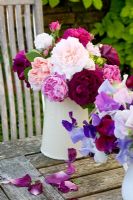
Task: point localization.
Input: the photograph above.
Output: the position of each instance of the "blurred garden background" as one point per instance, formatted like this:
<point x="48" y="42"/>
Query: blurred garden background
<point x="111" y="21"/>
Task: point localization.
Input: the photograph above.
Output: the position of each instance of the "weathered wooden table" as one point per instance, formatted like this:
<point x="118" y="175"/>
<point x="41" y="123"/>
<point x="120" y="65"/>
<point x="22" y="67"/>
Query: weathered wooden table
<point x="95" y="182"/>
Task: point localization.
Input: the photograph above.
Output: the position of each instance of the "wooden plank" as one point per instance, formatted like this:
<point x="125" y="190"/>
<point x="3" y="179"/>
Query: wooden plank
<point x="2" y="195"/>
<point x="29" y="41"/>
<point x="38" y="17"/>
<point x="96" y="183"/>
<point x="12" y="43"/>
<point x="84" y="167"/>
<point x="22" y="166"/>
<point x="109" y="195"/>
<point x="20" y="147"/>
<point x="21" y="46"/>
<point x="3" y="108"/>
<point x="41" y="161"/>
<point x="15" y="2"/>
<point x="3" y="41"/>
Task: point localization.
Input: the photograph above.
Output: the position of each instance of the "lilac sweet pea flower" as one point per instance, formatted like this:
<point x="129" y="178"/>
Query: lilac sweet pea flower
<point x="105" y="103"/>
<point x="95" y="119"/>
<point x="126" y="152"/>
<point x="77" y="134"/>
<point x="87" y="146"/>
<point x="106" y="87"/>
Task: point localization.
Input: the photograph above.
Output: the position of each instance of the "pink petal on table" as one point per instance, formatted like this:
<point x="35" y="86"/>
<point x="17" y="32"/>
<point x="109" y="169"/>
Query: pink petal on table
<point x="70" y="169"/>
<point x="57" y="178"/>
<point x="72" y="154"/>
<point x="72" y="186"/>
<point x="36" y="188"/>
<point x="24" y="181"/>
<point x="67" y="186"/>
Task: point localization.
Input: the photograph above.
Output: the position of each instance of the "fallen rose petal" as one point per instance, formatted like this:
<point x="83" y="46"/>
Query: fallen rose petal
<point x="24" y="181"/>
<point x="72" y="153"/>
<point x="72" y="186"/>
<point x="70" y="169"/>
<point x="36" y="188"/>
<point x="57" y="178"/>
<point x="67" y="186"/>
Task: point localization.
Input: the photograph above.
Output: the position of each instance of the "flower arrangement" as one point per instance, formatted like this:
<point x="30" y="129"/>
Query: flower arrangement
<point x="110" y="127"/>
<point x="68" y="65"/>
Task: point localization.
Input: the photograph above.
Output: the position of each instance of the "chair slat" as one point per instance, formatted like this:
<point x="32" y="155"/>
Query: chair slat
<point x="18" y="85"/>
<point x="7" y="68"/>
<point x="15" y="2"/>
<point x="3" y="108"/>
<point x="21" y="46"/>
<point x="29" y="40"/>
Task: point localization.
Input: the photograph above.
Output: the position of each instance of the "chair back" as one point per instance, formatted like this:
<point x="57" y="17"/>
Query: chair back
<point x="20" y="108"/>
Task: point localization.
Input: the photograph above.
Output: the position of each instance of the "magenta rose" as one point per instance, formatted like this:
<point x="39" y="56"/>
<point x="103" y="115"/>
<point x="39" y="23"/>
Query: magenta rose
<point x="83" y="35"/>
<point x="110" y="54"/>
<point x="83" y="87"/>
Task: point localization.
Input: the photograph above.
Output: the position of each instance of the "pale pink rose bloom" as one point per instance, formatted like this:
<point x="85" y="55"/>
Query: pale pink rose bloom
<point x="40" y="70"/>
<point x="54" y="26"/>
<point x="69" y="56"/>
<point x="112" y="73"/>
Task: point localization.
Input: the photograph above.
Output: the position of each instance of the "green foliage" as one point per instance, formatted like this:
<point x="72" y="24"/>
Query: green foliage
<point x="87" y="3"/>
<point x="33" y="54"/>
<point x="117" y="29"/>
<point x="26" y="72"/>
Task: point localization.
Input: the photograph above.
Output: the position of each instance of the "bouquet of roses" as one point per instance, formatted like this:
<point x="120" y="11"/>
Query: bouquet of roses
<point x="110" y="127"/>
<point x="68" y="65"/>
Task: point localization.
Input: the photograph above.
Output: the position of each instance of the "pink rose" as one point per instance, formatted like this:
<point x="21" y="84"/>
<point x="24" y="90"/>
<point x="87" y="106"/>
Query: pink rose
<point x="112" y="73"/>
<point x="54" y="26"/>
<point x="83" y="35"/>
<point x="40" y="70"/>
<point x="55" y="88"/>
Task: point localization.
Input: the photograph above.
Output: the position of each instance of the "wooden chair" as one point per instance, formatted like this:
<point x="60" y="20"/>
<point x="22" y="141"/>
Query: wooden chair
<point x="20" y="108"/>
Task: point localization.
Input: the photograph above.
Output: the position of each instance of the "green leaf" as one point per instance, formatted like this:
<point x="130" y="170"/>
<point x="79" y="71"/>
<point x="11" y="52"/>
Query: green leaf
<point x="74" y="1"/>
<point x="87" y="3"/>
<point x="98" y="4"/>
<point x="54" y="3"/>
<point x="31" y="55"/>
<point x="26" y="72"/>
<point x="44" y="2"/>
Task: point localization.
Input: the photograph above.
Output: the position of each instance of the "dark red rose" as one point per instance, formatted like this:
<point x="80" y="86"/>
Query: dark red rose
<point x="83" y="35"/>
<point x="110" y="54"/>
<point x="129" y="82"/>
<point x="83" y="87"/>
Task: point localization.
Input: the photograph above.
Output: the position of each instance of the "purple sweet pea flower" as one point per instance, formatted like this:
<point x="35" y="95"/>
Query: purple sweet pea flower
<point x="89" y="130"/>
<point x="126" y="152"/>
<point x="95" y="119"/>
<point x="77" y="134"/>
<point x="69" y="125"/>
<point x="105" y="103"/>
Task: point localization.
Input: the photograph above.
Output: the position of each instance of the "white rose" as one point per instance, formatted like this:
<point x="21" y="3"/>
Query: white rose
<point x="43" y="41"/>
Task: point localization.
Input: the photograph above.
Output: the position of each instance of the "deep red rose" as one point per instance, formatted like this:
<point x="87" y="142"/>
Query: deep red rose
<point x="83" y="35"/>
<point x="129" y="82"/>
<point x="83" y="87"/>
<point x="110" y="54"/>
